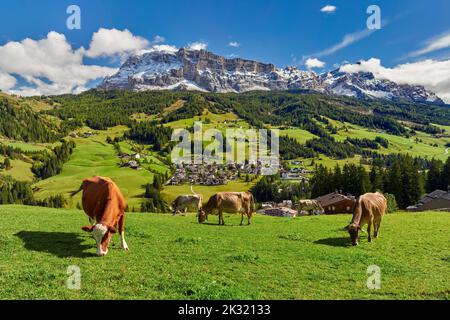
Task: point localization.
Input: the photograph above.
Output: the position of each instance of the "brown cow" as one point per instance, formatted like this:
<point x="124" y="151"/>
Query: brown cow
<point x="104" y="204"/>
<point x="231" y="202"/>
<point x="370" y="208"/>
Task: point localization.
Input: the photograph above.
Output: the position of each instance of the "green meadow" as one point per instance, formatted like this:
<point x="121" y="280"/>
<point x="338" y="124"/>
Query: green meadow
<point x="177" y="258"/>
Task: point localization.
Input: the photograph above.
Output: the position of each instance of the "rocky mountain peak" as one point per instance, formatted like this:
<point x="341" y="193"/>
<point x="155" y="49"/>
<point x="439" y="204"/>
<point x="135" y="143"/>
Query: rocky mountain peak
<point x="201" y="70"/>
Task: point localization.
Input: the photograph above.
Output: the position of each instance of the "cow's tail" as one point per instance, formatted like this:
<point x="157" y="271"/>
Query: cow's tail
<point x="73" y="193"/>
<point x="252" y="204"/>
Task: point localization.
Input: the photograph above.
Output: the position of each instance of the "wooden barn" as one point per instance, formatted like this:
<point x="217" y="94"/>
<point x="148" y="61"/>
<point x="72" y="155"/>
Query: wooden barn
<point x="436" y="200"/>
<point x="335" y="202"/>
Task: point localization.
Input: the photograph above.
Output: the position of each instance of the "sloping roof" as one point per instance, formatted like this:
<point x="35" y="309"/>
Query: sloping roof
<point x="436" y="194"/>
<point x="332" y="198"/>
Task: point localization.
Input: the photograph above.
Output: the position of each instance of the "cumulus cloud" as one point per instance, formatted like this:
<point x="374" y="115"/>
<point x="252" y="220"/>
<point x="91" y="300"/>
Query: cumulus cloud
<point x="234" y="44"/>
<point x="314" y="63"/>
<point x="434" y="75"/>
<point x="49" y="65"/>
<point x="7" y="81"/>
<point x="434" y="44"/>
<point x="328" y="9"/>
<point x="198" y="45"/>
<point x="109" y="42"/>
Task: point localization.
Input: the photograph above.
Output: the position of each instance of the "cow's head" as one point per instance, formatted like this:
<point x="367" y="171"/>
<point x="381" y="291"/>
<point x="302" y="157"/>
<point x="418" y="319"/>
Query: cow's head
<point x="202" y="216"/>
<point x="353" y="229"/>
<point x="102" y="235"/>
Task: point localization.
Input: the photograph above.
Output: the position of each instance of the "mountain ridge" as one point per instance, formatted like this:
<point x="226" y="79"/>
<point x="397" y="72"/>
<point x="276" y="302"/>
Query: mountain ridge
<point x="201" y="70"/>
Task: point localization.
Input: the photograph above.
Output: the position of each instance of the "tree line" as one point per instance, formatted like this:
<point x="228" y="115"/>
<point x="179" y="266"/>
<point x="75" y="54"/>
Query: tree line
<point x="20" y="192"/>
<point x="404" y="179"/>
<point x="51" y="164"/>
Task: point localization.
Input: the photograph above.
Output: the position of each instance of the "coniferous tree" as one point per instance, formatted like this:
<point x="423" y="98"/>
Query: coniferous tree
<point x="394" y="181"/>
<point x="445" y="176"/>
<point x="7" y="164"/>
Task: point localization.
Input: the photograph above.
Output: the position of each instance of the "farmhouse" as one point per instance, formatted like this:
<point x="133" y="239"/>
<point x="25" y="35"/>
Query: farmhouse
<point x="436" y="200"/>
<point x="336" y="203"/>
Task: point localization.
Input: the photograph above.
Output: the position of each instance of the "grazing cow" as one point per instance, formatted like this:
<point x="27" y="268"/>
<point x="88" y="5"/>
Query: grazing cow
<point x="370" y="208"/>
<point x="231" y="202"/>
<point x="104" y="204"/>
<point x="185" y="202"/>
<point x="311" y="206"/>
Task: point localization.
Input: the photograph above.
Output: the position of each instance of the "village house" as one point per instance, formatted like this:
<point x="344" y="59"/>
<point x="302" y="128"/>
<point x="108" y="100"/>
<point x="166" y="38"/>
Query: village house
<point x="436" y="200"/>
<point x="211" y="174"/>
<point x="336" y="203"/>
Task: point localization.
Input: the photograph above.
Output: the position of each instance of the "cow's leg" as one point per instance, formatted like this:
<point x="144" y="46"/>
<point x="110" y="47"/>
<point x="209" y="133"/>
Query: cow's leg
<point x="123" y="243"/>
<point x="249" y="217"/>
<point x="242" y="217"/>
<point x="221" y="221"/>
<point x="369" y="227"/>
<point x="377" y="228"/>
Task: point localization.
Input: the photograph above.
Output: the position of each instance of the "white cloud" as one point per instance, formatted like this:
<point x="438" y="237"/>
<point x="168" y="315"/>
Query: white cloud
<point x="434" y="75"/>
<point x="314" y="63"/>
<point x="198" y="45"/>
<point x="7" y="81"/>
<point x="347" y="40"/>
<point x="158" y="39"/>
<point x="49" y="65"/>
<point x="109" y="42"/>
<point x="234" y="44"/>
<point x="434" y="44"/>
<point x="328" y="9"/>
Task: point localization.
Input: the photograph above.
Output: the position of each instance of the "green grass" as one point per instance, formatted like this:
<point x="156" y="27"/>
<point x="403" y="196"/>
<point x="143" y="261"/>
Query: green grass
<point x="397" y="144"/>
<point x="20" y="170"/>
<point x="299" y="134"/>
<point x="24" y="146"/>
<point x="176" y="258"/>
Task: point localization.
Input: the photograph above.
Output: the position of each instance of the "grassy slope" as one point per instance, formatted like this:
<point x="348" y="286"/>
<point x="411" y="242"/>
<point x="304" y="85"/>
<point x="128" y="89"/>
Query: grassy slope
<point x="176" y="258"/>
<point x="93" y="156"/>
<point x="20" y="170"/>
<point x="398" y="144"/>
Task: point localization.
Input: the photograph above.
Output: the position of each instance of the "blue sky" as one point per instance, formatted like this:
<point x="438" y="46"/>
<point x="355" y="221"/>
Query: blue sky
<point x="281" y="32"/>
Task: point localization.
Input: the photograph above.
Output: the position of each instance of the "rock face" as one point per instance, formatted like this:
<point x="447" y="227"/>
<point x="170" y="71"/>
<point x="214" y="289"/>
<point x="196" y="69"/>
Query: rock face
<point x="200" y="70"/>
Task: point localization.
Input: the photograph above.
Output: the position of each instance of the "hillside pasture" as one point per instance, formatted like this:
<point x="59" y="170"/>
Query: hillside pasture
<point x="177" y="258"/>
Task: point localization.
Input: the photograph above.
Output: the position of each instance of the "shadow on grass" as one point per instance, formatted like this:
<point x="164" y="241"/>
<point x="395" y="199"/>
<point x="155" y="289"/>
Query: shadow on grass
<point x="222" y="225"/>
<point x="335" y="242"/>
<point x="60" y="244"/>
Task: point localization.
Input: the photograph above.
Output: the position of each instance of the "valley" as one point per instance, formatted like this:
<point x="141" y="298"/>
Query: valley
<point x="95" y="123"/>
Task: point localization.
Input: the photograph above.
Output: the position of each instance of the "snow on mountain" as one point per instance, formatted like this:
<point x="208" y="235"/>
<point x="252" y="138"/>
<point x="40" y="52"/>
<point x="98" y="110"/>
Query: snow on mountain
<point x="167" y="68"/>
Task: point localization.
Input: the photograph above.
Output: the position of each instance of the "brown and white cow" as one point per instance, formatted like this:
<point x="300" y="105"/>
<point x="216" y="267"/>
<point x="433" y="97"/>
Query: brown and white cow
<point x="105" y="205"/>
<point x="231" y="202"/>
<point x="369" y="209"/>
